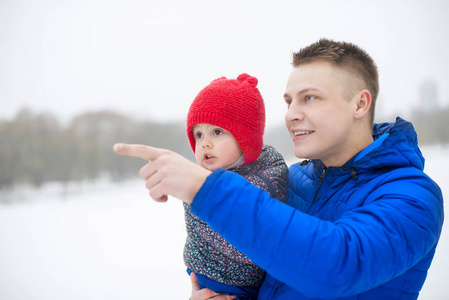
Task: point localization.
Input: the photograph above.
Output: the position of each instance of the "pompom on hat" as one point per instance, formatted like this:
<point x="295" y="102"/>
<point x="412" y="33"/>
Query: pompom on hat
<point x="235" y="105"/>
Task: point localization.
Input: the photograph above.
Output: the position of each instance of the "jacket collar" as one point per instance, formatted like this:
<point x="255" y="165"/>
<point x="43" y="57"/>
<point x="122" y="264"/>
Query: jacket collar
<point x="395" y="145"/>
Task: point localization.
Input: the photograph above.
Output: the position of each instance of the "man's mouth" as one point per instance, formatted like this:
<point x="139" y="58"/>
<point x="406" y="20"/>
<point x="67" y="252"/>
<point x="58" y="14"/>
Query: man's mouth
<point x="296" y="133"/>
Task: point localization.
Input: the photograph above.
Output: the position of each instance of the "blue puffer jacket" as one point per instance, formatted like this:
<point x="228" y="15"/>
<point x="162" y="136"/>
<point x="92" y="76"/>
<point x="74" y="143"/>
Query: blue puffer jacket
<point x="366" y="230"/>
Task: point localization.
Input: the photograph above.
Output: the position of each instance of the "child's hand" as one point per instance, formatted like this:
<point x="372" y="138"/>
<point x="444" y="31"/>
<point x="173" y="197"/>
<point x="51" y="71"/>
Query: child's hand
<point x="167" y="172"/>
<point x="205" y="294"/>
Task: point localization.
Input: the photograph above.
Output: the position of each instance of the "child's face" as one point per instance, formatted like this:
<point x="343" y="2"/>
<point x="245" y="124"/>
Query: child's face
<point x="215" y="147"/>
<point x="320" y="112"/>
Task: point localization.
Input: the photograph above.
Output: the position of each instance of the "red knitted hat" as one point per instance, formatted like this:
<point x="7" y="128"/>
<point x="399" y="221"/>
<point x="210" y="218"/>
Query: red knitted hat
<point x="235" y="105"/>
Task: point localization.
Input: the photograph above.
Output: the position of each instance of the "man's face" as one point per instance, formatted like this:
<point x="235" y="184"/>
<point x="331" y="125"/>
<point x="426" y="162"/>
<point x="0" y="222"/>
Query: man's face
<point x="320" y="112"/>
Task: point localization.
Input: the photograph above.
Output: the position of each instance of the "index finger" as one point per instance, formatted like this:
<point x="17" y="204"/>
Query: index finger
<point x="142" y="151"/>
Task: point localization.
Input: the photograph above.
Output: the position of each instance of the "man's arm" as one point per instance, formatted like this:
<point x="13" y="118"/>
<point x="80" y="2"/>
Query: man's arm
<point x="366" y="247"/>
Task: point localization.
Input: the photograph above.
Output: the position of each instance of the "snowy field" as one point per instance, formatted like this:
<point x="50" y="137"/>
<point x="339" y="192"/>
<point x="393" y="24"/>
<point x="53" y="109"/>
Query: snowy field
<point x="113" y="242"/>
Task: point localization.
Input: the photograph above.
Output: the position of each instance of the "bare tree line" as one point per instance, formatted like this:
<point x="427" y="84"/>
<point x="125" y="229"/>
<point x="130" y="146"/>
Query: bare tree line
<point x="35" y="148"/>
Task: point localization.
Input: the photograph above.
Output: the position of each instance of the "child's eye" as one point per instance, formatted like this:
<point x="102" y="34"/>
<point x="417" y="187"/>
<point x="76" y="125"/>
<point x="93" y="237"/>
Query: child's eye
<point x="309" y="98"/>
<point x="288" y="101"/>
<point x="198" y="135"/>
<point x="218" y="132"/>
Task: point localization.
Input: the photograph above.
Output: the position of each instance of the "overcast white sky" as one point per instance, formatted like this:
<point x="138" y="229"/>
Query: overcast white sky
<point x="150" y="58"/>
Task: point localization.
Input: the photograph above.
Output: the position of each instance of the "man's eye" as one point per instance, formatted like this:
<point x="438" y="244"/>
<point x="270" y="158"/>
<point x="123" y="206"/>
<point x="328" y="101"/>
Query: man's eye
<point x="288" y="102"/>
<point x="217" y="132"/>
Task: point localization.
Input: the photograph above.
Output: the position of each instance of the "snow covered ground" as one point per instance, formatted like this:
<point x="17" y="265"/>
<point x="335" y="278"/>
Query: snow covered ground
<point x="113" y="242"/>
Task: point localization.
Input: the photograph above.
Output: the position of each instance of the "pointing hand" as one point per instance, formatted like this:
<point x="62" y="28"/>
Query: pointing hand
<point x="167" y="172"/>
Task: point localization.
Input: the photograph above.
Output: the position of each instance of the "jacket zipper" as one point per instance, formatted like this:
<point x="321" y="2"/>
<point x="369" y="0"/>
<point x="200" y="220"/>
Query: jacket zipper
<point x="320" y="181"/>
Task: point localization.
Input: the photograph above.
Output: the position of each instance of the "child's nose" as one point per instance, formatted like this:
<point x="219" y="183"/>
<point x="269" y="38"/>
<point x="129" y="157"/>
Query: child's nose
<point x="206" y="143"/>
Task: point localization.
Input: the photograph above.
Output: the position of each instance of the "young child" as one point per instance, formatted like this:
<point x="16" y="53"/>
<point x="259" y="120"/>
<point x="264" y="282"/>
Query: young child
<point x="225" y="126"/>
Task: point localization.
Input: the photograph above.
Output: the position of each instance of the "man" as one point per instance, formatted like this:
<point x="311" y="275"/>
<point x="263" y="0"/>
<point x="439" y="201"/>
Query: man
<point x="362" y="220"/>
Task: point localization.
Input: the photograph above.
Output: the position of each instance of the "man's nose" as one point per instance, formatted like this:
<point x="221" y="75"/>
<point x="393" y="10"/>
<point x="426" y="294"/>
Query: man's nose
<point x="295" y="112"/>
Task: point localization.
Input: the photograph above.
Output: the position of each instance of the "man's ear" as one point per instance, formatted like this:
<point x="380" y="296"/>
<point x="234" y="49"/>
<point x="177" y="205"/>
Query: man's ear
<point x="363" y="104"/>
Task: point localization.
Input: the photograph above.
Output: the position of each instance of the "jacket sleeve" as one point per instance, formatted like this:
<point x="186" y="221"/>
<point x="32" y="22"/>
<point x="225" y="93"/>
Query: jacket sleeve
<point x="321" y="258"/>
